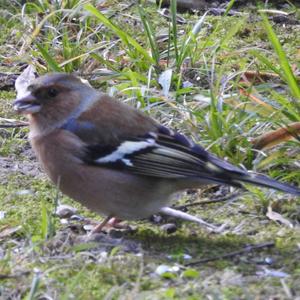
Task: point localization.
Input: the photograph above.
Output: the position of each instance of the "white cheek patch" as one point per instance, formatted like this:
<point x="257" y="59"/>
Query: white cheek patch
<point x="126" y="148"/>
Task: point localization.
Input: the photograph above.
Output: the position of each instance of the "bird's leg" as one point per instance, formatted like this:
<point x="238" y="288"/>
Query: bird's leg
<point x="115" y="223"/>
<point x="98" y="228"/>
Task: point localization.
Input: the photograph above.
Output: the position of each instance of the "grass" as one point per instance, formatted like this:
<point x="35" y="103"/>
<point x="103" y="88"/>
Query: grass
<point x="207" y="93"/>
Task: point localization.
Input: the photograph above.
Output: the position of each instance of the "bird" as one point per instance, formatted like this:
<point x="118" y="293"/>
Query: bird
<point x="116" y="160"/>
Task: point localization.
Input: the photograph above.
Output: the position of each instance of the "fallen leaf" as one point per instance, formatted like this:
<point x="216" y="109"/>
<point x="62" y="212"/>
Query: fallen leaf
<point x="165" y="81"/>
<point x="9" y="231"/>
<point x="272" y="215"/>
<point x="24" y="80"/>
<point x="2" y="214"/>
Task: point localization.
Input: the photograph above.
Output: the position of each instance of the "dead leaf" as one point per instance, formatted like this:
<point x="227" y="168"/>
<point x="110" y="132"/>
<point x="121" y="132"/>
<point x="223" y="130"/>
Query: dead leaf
<point x="280" y="135"/>
<point x="165" y="81"/>
<point x="272" y="215"/>
<point x="9" y="231"/>
<point x="24" y="80"/>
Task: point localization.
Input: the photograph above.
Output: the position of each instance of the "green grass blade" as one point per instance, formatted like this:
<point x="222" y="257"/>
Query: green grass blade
<point x="44" y="221"/>
<point x="52" y="64"/>
<point x="34" y="287"/>
<point x="283" y="61"/>
<point x="231" y="33"/>
<point x="229" y="6"/>
<point x="174" y="31"/>
<point x="191" y="36"/>
<point x="290" y="109"/>
<point x="104" y="61"/>
<point x="265" y="61"/>
<point x="150" y="34"/>
<point x="126" y="39"/>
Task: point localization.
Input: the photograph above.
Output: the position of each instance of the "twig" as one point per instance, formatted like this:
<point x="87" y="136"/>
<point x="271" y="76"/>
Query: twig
<point x="232" y="254"/>
<point x="17" y="125"/>
<point x="10" y="276"/>
<point x="12" y="123"/>
<point x="221" y="199"/>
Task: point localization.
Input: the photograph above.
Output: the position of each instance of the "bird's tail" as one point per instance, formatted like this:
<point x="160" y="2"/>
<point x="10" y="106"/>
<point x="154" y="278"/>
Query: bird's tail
<point x="265" y="181"/>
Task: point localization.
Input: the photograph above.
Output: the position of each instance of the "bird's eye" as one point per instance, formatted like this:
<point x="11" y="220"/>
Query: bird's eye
<point x="52" y="92"/>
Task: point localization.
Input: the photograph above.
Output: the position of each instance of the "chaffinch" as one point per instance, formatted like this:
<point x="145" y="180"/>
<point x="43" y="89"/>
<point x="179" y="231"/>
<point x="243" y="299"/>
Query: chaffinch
<point x="114" y="159"/>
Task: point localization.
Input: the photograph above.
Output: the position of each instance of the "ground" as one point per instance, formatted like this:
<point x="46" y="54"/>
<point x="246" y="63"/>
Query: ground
<point x="257" y="256"/>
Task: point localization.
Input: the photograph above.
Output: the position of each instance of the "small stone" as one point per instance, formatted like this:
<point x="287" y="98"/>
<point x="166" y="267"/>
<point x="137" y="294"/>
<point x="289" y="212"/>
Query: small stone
<point x="76" y="218"/>
<point x="175" y="269"/>
<point x="120" y="232"/>
<point x="102" y="256"/>
<point x="88" y="227"/>
<point x="169" y="228"/>
<point x="269" y="260"/>
<point x="116" y="234"/>
<point x="65" y="211"/>
<point x="162" y="269"/>
<point x="187" y="84"/>
<point x="187" y="257"/>
<point x="2" y="214"/>
<point x="156" y="219"/>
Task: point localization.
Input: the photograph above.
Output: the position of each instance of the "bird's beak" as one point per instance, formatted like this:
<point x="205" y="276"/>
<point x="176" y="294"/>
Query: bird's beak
<point x="27" y="105"/>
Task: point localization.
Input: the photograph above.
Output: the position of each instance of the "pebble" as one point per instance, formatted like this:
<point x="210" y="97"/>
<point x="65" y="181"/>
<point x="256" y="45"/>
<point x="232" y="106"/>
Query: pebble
<point x="65" y="211"/>
<point x="169" y="228"/>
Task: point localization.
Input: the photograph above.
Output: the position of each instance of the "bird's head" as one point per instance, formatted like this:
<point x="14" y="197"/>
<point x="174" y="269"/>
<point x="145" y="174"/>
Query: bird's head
<point x="53" y="98"/>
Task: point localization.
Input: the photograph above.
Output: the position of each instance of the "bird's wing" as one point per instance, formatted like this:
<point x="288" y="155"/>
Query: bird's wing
<point x="162" y="154"/>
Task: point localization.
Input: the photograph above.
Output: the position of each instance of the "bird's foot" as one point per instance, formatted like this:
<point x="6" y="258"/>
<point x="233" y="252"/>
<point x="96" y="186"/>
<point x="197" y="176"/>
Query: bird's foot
<point x="107" y="224"/>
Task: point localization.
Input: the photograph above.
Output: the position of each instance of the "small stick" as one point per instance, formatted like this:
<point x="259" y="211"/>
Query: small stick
<point x="232" y="254"/>
<point x="221" y="199"/>
<point x="10" y="276"/>
<point x="17" y="125"/>
<point x="12" y="123"/>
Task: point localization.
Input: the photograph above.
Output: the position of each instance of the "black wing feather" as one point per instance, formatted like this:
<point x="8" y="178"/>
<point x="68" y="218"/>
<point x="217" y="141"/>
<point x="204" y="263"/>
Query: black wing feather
<point x="172" y="156"/>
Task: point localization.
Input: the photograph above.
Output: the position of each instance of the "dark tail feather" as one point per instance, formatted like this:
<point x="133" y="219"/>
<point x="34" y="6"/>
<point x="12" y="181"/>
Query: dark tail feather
<point x="265" y="181"/>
